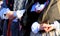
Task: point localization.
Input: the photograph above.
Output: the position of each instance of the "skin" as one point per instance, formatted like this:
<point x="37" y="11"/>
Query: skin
<point x="46" y="27"/>
<point x="10" y="15"/>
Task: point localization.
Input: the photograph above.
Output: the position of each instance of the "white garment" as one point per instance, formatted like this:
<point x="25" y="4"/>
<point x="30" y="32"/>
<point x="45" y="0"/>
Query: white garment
<point x="35" y="27"/>
<point x="20" y="13"/>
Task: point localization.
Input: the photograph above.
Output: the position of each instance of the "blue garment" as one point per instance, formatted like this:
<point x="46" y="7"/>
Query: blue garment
<point x="14" y="25"/>
<point x="4" y="3"/>
<point x="5" y="27"/>
<point x="15" y="28"/>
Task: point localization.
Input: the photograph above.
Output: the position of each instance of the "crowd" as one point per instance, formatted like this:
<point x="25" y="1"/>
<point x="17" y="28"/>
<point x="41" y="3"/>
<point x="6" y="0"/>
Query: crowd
<point x="29" y="17"/>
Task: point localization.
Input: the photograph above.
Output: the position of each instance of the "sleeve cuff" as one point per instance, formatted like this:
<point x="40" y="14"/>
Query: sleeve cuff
<point x="55" y="25"/>
<point x="20" y="13"/>
<point x="35" y="27"/>
<point x="15" y="13"/>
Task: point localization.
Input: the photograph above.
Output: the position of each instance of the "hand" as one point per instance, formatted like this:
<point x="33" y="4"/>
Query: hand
<point x="50" y="28"/>
<point x="39" y="11"/>
<point x="46" y="27"/>
<point x="10" y="15"/>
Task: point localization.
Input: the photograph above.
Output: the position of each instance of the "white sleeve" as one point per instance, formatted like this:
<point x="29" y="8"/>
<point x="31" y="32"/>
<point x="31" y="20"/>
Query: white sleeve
<point x="56" y="25"/>
<point x="35" y="27"/>
<point x="20" y="13"/>
<point x="6" y="10"/>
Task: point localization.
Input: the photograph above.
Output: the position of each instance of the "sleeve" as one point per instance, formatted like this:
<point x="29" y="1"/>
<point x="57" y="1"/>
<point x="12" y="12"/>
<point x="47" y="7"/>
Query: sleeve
<point x="5" y="11"/>
<point x="35" y="27"/>
<point x="56" y="25"/>
<point x="19" y="13"/>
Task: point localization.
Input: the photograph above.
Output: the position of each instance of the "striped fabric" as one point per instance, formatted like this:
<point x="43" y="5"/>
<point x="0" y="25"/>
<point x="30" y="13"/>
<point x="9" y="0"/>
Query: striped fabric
<point x="52" y="33"/>
<point x="19" y="4"/>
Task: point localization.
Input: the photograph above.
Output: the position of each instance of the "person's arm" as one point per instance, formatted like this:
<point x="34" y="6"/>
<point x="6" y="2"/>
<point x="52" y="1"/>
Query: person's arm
<point x="19" y="13"/>
<point x="15" y="14"/>
<point x="38" y="27"/>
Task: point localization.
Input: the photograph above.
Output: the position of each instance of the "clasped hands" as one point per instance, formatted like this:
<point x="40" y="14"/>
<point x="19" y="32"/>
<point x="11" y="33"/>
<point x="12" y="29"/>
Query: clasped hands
<point x="46" y="27"/>
<point x="10" y="15"/>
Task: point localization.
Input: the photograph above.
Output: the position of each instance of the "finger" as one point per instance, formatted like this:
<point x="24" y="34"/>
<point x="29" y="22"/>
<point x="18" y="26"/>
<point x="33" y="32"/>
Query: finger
<point x="50" y="28"/>
<point x="45" y="25"/>
<point x="46" y="29"/>
<point x="41" y="28"/>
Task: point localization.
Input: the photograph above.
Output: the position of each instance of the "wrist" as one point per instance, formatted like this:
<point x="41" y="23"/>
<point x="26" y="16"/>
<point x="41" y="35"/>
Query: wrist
<point x="15" y="13"/>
